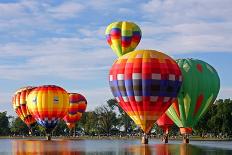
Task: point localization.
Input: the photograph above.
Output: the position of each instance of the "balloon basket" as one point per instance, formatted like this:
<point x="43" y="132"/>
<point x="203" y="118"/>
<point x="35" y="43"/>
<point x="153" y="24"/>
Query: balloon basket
<point x="165" y="139"/>
<point x="144" y="139"/>
<point x="49" y="137"/>
<point x="186" y="139"/>
<point x="186" y="132"/>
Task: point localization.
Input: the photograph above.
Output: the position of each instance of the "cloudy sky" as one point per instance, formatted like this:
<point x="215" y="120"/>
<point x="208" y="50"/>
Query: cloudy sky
<point x="62" y="42"/>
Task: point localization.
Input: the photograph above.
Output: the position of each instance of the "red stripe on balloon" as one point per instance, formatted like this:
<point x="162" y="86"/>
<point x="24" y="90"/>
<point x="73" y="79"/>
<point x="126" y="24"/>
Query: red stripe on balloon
<point x="126" y="43"/>
<point x="136" y="38"/>
<point x="198" y="104"/>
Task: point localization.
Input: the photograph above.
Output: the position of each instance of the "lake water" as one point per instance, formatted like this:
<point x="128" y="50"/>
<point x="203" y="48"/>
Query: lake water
<point x="108" y="147"/>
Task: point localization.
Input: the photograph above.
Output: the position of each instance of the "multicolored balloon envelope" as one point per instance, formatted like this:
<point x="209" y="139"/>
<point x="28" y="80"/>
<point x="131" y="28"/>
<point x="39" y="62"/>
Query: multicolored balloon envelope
<point x="20" y="105"/>
<point x="199" y="90"/>
<point x="48" y="104"/>
<point x="77" y="106"/>
<point x="123" y="37"/>
<point x="165" y="123"/>
<point x="145" y="82"/>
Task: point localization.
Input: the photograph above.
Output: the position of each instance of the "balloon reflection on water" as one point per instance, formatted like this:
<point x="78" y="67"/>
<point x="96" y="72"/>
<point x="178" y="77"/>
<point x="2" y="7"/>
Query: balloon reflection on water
<point x="164" y="149"/>
<point x="76" y="147"/>
<point x="140" y="150"/>
<point x="30" y="147"/>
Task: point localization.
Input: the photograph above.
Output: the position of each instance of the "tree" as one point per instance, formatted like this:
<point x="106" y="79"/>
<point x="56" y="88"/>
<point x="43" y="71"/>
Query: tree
<point x="4" y="124"/>
<point x="107" y="119"/>
<point x="217" y="119"/>
<point x="61" y="129"/>
<point x="124" y="119"/>
<point x="18" y="127"/>
<point x="89" y="123"/>
<point x="113" y="104"/>
<point x="38" y="130"/>
<point x="224" y="112"/>
<point x="204" y="124"/>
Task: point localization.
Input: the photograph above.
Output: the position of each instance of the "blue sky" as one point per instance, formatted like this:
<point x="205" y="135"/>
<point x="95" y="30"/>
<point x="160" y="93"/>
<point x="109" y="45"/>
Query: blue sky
<point x="63" y="43"/>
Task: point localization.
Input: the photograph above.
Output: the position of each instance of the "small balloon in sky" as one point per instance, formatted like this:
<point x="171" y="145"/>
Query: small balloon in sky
<point x="123" y="37"/>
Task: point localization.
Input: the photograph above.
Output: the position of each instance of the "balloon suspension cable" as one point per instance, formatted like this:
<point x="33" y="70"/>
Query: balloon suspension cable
<point x="144" y="139"/>
<point x="165" y="135"/>
<point x="30" y="132"/>
<point x="70" y="132"/>
<point x="74" y="132"/>
<point x="186" y="138"/>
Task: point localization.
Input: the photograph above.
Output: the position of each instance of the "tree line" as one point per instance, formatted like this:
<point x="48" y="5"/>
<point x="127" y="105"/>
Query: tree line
<point x="110" y="119"/>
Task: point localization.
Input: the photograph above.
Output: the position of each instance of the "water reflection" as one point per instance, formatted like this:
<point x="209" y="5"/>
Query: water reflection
<point x="139" y="150"/>
<point x="174" y="149"/>
<point x="30" y="147"/>
<point x="108" y="147"/>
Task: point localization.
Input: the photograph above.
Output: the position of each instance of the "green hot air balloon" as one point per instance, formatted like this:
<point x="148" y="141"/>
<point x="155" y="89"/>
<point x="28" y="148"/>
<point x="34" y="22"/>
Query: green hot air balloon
<point x="199" y="90"/>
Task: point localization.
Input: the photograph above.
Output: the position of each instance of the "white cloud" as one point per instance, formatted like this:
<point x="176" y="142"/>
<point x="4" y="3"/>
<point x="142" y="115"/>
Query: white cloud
<point x="125" y="11"/>
<point x="191" y="37"/>
<point x="178" y="11"/>
<point x="6" y="104"/>
<point x="11" y="10"/>
<point x="66" y="10"/>
<point x="68" y="58"/>
<point x="89" y="32"/>
<point x="106" y="4"/>
<point x="52" y="46"/>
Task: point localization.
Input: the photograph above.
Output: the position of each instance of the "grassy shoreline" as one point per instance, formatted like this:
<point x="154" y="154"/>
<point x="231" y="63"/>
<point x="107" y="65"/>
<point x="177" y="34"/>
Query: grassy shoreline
<point x="194" y="138"/>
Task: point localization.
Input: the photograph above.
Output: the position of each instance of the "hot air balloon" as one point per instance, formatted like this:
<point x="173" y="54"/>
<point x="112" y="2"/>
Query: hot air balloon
<point x="48" y="104"/>
<point x="165" y="123"/>
<point x="77" y="106"/>
<point x="123" y="37"/>
<point x="144" y="83"/>
<point x="199" y="90"/>
<point x="20" y="105"/>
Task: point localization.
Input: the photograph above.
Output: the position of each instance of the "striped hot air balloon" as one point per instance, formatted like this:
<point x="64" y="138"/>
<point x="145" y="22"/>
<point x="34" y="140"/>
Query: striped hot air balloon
<point x="199" y="90"/>
<point x="19" y="102"/>
<point x="48" y="104"/>
<point x="77" y="106"/>
<point x="145" y="82"/>
<point x="123" y="37"/>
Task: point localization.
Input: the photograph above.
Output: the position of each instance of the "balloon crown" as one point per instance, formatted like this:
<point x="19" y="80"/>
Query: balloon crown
<point x="123" y="36"/>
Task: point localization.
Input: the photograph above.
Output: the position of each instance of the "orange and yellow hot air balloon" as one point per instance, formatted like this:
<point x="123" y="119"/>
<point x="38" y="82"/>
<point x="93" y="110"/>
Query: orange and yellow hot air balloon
<point x="48" y="104"/>
<point x="77" y="106"/>
<point x="21" y="107"/>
